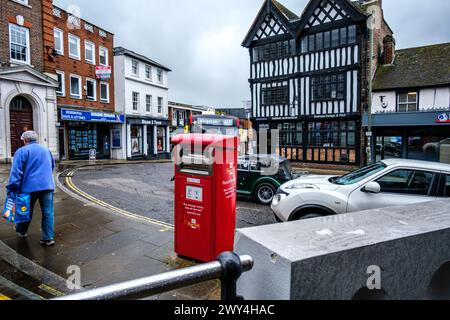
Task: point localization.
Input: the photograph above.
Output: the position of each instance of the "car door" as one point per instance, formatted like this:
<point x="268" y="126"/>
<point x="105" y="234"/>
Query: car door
<point x="398" y="188"/>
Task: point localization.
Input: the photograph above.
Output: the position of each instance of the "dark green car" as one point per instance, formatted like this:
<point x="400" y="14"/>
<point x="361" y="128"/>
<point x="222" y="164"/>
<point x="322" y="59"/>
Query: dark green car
<point x="260" y="176"/>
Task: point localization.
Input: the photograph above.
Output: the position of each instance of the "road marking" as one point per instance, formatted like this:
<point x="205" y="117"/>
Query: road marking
<point x="128" y="214"/>
<point x="50" y="290"/>
<point x="20" y="290"/>
<point x="4" y="298"/>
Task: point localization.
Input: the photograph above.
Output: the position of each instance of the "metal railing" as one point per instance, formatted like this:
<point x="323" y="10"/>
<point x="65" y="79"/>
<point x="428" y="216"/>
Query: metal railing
<point x="228" y="268"/>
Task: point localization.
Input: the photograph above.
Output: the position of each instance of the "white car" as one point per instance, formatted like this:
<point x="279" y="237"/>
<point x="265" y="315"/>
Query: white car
<point x="393" y="182"/>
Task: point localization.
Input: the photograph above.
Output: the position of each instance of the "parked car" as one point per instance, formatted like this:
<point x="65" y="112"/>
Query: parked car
<point x="391" y="182"/>
<point x="260" y="176"/>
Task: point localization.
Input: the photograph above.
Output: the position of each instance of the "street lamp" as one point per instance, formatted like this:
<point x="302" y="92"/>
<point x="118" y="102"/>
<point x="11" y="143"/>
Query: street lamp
<point x="369" y="104"/>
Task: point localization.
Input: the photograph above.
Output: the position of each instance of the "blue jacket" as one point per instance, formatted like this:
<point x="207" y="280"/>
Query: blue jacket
<point x="32" y="170"/>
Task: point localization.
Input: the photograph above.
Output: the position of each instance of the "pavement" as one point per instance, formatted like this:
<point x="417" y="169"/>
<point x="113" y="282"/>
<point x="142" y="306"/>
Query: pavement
<point x="107" y="247"/>
<point x="114" y="221"/>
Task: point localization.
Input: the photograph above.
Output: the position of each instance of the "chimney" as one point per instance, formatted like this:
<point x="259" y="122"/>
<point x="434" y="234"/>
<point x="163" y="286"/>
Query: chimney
<point x="388" y="50"/>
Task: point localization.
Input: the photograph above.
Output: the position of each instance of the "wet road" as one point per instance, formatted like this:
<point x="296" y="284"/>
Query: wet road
<point x="146" y="189"/>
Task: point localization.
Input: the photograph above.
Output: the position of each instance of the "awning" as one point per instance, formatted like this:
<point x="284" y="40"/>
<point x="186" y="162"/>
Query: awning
<point x="91" y="116"/>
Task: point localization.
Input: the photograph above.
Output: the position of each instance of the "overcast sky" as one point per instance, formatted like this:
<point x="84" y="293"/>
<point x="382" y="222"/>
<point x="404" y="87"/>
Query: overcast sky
<point x="200" y="40"/>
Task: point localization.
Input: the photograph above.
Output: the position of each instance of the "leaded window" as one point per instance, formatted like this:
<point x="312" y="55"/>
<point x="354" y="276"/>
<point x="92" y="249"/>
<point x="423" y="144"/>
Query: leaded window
<point x="328" y="87"/>
<point x="275" y="96"/>
<point x="274" y="51"/>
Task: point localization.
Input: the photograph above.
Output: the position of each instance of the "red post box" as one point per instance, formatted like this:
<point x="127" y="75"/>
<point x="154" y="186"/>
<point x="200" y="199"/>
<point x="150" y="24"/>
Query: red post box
<point x="205" y="195"/>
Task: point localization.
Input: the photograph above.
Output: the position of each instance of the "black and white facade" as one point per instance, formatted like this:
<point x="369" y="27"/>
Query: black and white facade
<point x="305" y="79"/>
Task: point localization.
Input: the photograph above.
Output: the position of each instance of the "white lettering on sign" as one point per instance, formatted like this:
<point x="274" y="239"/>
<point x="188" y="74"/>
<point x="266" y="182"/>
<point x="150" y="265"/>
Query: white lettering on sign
<point x="192" y="180"/>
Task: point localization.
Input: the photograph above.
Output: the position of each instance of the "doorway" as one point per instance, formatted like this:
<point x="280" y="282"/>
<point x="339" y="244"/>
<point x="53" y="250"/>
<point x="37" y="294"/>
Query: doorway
<point x="21" y="120"/>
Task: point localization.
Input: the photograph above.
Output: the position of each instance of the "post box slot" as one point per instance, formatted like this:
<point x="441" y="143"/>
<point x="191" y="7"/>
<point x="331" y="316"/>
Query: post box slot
<point x="195" y="164"/>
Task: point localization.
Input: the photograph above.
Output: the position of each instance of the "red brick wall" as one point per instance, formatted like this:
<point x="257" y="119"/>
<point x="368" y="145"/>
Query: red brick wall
<point x="73" y="66"/>
<point x="33" y="17"/>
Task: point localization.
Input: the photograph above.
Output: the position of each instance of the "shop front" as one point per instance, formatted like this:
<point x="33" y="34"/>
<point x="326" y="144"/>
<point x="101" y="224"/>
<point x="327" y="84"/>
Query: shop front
<point x="147" y="138"/>
<point x="411" y="135"/>
<point x="334" y="141"/>
<point x="89" y="135"/>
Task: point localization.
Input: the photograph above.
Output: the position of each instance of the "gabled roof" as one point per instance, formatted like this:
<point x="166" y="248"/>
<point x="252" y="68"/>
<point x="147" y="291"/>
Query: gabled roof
<point x="280" y="12"/>
<point x="416" y="67"/>
<point x="120" y="51"/>
<point x="352" y="9"/>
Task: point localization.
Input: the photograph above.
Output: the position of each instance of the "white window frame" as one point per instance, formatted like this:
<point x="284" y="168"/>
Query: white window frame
<point x="61" y="37"/>
<point x="63" y="84"/>
<point x="27" y="35"/>
<point x="160" y="106"/>
<point x="137" y="68"/>
<point x="137" y="101"/>
<point x="94" y="98"/>
<point x="102" y="83"/>
<point x="158" y="73"/>
<point x="86" y="44"/>
<point x="106" y="51"/>
<point x="408" y="101"/>
<point x="148" y="69"/>
<point x="80" y="92"/>
<point x="70" y="37"/>
<point x="148" y="106"/>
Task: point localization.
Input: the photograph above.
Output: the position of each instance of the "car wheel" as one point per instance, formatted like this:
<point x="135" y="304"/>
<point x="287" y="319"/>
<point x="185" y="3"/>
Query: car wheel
<point x="265" y="193"/>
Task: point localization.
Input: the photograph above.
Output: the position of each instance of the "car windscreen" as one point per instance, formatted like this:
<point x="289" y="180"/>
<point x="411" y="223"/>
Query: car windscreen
<point x="359" y="175"/>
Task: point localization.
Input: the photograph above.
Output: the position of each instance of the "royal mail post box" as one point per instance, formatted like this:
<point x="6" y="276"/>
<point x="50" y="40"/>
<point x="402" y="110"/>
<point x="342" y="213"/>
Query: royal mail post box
<point x="205" y="195"/>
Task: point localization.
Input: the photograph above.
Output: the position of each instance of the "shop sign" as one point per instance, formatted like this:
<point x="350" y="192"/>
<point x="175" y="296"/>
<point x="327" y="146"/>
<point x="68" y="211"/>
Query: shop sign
<point x="103" y="72"/>
<point x="75" y="115"/>
<point x="443" y="118"/>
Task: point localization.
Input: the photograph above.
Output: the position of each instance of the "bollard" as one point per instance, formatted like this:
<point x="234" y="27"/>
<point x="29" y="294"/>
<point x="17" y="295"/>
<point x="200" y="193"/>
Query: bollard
<point x="231" y="271"/>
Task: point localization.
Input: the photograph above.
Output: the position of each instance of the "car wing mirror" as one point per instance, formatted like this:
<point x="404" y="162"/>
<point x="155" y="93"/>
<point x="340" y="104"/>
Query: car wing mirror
<point x="372" y="187"/>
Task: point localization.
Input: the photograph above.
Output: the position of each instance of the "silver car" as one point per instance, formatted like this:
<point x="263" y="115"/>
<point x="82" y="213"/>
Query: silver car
<point x="392" y="182"/>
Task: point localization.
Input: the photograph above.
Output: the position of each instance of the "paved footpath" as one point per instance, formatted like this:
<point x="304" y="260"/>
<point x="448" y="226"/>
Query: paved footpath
<point x="108" y="249"/>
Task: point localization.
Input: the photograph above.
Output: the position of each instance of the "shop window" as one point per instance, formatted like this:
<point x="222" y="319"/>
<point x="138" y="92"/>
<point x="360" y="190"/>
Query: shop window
<point x="161" y="139"/>
<point x="136" y="140"/>
<point x="407" y="102"/>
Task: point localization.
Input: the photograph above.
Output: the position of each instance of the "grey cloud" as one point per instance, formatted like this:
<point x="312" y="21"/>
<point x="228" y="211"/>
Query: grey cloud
<point x="200" y="40"/>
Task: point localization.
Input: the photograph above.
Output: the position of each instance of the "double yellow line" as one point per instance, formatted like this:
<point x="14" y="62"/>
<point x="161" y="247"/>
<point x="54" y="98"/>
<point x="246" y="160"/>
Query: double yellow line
<point x="74" y="188"/>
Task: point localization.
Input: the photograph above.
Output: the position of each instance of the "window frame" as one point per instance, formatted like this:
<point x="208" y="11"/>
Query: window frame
<point x="273" y="101"/>
<point x="134" y="65"/>
<point x="63" y="84"/>
<point x="408" y="102"/>
<point x="148" y="105"/>
<point x="94" y="98"/>
<point x="324" y="86"/>
<point x="148" y="72"/>
<point x="28" y="44"/>
<point x="80" y="91"/>
<point x="135" y="102"/>
<point x="86" y="43"/>
<point x="160" y="76"/>
<point x="160" y="105"/>
<point x="106" y="51"/>
<point x="106" y="84"/>
<point x="72" y="56"/>
<point x="61" y="37"/>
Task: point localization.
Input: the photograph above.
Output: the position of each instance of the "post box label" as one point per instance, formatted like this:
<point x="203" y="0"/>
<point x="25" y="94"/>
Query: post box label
<point x="192" y="180"/>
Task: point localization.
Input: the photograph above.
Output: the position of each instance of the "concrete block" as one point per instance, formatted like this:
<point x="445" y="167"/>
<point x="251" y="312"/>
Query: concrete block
<point x="331" y="258"/>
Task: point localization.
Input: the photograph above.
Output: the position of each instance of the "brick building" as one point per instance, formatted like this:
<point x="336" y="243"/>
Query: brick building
<point x="80" y="55"/>
<point x="27" y="95"/>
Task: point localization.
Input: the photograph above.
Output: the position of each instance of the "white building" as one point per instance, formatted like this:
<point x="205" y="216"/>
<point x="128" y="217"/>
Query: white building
<point x="141" y="93"/>
<point x="411" y="105"/>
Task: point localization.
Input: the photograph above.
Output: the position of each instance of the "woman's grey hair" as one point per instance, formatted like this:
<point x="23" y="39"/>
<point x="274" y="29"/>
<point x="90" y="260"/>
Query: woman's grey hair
<point x="30" y="136"/>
